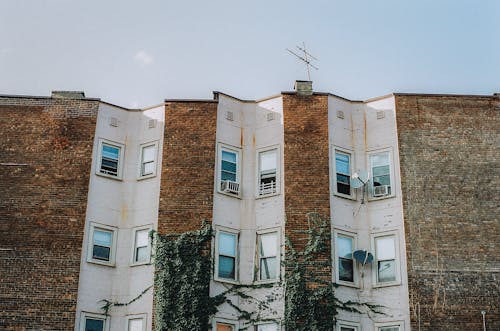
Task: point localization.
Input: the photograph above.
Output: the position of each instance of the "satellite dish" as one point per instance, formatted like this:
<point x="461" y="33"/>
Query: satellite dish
<point x="359" y="178"/>
<point x="363" y="256"/>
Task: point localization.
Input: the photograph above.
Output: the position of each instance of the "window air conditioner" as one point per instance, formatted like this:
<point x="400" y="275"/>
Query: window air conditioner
<point x="229" y="186"/>
<point x="380" y="191"/>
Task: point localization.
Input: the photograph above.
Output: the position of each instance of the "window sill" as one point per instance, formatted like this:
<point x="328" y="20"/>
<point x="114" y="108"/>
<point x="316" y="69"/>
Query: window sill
<point x="146" y="177"/>
<point x="388" y="284"/>
<point x="237" y="196"/>
<point x="229" y="281"/>
<point x="137" y="264"/>
<point x="109" y="176"/>
<point x="103" y="263"/>
<point x="345" y="196"/>
<point x="371" y="198"/>
<point x="267" y="281"/>
<point x="347" y="284"/>
<point x="269" y="195"/>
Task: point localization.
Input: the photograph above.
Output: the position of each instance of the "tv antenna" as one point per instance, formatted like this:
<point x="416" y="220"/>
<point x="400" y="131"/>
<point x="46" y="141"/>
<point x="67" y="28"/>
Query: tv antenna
<point x="307" y="58"/>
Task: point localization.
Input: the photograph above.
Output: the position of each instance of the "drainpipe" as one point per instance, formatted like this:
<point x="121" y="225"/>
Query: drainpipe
<point x="483" y="312"/>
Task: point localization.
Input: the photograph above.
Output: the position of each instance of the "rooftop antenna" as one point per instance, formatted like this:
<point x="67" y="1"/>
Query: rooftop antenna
<point x="307" y="58"/>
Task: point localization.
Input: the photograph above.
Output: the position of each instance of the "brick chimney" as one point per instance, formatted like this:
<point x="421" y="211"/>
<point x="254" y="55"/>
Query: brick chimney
<point x="303" y="87"/>
<point x="68" y="95"/>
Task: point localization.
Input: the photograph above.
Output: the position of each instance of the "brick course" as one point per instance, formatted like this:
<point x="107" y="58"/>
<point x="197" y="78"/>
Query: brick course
<point x="45" y="158"/>
<point x="449" y="174"/>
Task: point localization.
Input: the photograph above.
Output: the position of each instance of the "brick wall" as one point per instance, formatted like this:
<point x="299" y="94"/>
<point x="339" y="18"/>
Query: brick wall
<point x="306" y="166"/>
<point x="450" y="179"/>
<point x="187" y="179"/>
<point x="45" y="159"/>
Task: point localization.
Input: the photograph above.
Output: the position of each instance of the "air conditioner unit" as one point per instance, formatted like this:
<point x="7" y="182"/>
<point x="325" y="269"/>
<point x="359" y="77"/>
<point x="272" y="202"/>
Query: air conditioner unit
<point x="380" y="191"/>
<point x="229" y="186"/>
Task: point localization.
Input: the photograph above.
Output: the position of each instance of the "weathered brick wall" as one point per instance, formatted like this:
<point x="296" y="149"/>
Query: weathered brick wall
<point x="187" y="179"/>
<point x="306" y="167"/>
<point x="45" y="158"/>
<point x="450" y="178"/>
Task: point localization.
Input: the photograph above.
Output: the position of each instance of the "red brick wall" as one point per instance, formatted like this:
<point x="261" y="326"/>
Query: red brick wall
<point x="187" y="179"/>
<point x="306" y="166"/>
<point x="42" y="208"/>
<point x="450" y="177"/>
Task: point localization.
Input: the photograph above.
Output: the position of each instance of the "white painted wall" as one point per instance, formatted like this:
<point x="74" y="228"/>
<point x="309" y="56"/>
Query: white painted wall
<point x="124" y="204"/>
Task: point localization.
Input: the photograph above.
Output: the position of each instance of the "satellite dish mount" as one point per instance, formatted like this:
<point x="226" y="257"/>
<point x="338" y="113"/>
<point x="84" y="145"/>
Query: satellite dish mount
<point x="359" y="180"/>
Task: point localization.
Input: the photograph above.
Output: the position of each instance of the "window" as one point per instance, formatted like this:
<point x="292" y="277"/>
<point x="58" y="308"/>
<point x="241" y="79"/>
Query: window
<point x="225" y="325"/>
<point x="229" y="171"/>
<point x="102" y="244"/>
<point x="148" y="160"/>
<point x="268" y="256"/>
<point x="142" y="246"/>
<point x="137" y="322"/>
<point x="110" y="159"/>
<point x="267" y="327"/>
<point x="343" y="173"/>
<point x="346" y="326"/>
<point x="227" y="248"/>
<point x="345" y="261"/>
<point x="267" y="172"/>
<point x="380" y="167"/>
<point x="390" y="326"/>
<point x="386" y="259"/>
<point x="93" y="322"/>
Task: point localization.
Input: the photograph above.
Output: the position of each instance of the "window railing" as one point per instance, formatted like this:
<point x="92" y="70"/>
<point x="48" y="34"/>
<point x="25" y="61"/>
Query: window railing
<point x="267" y="188"/>
<point x="229" y="186"/>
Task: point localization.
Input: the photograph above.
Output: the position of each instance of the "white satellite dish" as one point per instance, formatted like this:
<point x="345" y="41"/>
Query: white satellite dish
<point x="359" y="179"/>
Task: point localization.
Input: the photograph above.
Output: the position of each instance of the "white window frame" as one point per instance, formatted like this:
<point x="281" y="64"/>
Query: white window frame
<point x="223" y="147"/>
<point x="133" y="261"/>
<point x="256" y="326"/>
<point x="345" y="151"/>
<point x="278" y="171"/>
<point x="391" y="175"/>
<point x="216" y="320"/>
<point x="397" y="259"/>
<point x="121" y="157"/>
<point x="90" y="247"/>
<point x="141" y="163"/>
<point x="237" y="257"/>
<point x="382" y="325"/>
<point x="354" y="237"/>
<point x="84" y="315"/>
<point x="143" y="317"/>
<point x="346" y="324"/>
<point x="278" y="255"/>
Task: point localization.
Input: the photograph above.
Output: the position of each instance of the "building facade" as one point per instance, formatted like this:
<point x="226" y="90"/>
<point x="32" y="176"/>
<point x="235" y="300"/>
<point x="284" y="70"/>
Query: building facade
<point x="84" y="182"/>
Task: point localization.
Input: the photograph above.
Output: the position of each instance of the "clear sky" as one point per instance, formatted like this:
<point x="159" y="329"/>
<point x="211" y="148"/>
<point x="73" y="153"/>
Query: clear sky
<point x="137" y="53"/>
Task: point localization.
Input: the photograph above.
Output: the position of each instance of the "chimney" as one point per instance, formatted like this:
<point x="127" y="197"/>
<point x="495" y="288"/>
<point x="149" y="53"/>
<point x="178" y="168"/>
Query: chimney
<point x="68" y="95"/>
<point x="303" y="87"/>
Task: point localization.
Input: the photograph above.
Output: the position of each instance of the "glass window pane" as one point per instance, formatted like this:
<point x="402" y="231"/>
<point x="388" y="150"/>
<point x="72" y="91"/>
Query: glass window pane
<point x="141" y="254"/>
<point x="101" y="253"/>
<point x="347" y="328"/>
<point x="342" y="163"/>
<point x="385" y="248"/>
<point x="224" y="327"/>
<point x="229" y="156"/>
<point x="346" y="272"/>
<point x="142" y="238"/>
<point x="110" y="152"/>
<point x="379" y="159"/>
<point x="226" y="267"/>
<point x="228" y="176"/>
<point x="148" y="154"/>
<point x="381" y="180"/>
<point x="268" y="244"/>
<point x="92" y="324"/>
<point x="135" y="324"/>
<point x="228" y="166"/>
<point x="390" y="328"/>
<point x="227" y="244"/>
<point x="103" y="238"/>
<point x="148" y="168"/>
<point x="381" y="170"/>
<point x="268" y="268"/>
<point x="387" y="271"/>
<point x="268" y="160"/>
<point x="344" y="246"/>
<point x="267" y="327"/>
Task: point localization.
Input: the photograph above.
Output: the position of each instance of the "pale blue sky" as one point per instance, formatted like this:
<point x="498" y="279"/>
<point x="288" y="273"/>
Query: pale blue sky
<point x="137" y="53"/>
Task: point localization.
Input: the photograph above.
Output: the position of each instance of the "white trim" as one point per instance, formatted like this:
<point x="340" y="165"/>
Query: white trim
<point x="121" y="158"/>
<point x="397" y="261"/>
<point x="223" y="147"/>
<point x="278" y="171"/>
<point x="354" y="237"/>
<point x="148" y="227"/>
<point x="143" y="317"/>
<point x="216" y="320"/>
<point x="340" y="323"/>
<point x="140" y="176"/>
<point x="277" y="323"/>
<point x="218" y="230"/>
<point x="84" y="315"/>
<point x="349" y="153"/>
<point x="276" y="230"/>
<point x="112" y="254"/>
<point x="369" y="154"/>
<point x="399" y="324"/>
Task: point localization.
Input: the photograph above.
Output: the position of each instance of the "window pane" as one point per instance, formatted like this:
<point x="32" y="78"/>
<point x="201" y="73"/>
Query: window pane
<point x="227" y="244"/>
<point x="224" y="327"/>
<point x="387" y="271"/>
<point x="94" y="324"/>
<point x="347" y="328"/>
<point x="268" y="268"/>
<point x="342" y="163"/>
<point x="110" y="152"/>
<point x="142" y="238"/>
<point x="346" y="273"/>
<point x="148" y="168"/>
<point x="379" y="159"/>
<point x="268" y="244"/>
<point x="381" y="180"/>
<point x="101" y="253"/>
<point x="103" y="238"/>
<point x="228" y="166"/>
<point x="141" y="254"/>
<point x="268" y="160"/>
<point x="381" y="170"/>
<point x="226" y="267"/>
<point x="135" y="324"/>
<point x="148" y="154"/>
<point x="267" y="327"/>
<point x="229" y="156"/>
<point x="344" y="246"/>
<point x="390" y="328"/>
<point x="385" y="248"/>
<point x="228" y="176"/>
